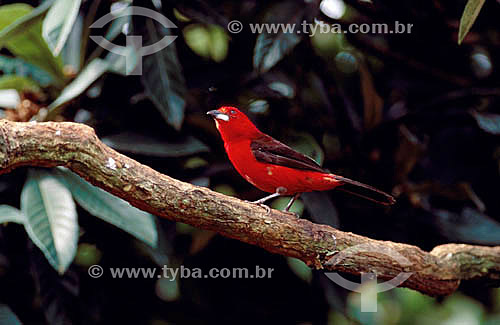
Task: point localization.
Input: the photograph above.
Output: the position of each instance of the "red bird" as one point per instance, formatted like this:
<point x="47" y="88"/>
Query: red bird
<point x="276" y="168"/>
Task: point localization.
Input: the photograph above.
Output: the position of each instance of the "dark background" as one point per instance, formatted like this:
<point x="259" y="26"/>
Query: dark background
<point x="412" y="114"/>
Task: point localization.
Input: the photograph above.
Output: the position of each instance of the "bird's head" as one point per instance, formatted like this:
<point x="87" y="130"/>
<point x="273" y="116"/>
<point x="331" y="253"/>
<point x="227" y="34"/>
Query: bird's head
<point x="233" y="124"/>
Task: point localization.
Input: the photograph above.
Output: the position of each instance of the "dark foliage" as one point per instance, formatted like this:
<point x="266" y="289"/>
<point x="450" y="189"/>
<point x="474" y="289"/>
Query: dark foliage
<point x="414" y="114"/>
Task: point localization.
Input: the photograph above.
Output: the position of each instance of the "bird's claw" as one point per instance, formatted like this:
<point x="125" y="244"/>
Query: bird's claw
<point x="268" y="209"/>
<point x="262" y="205"/>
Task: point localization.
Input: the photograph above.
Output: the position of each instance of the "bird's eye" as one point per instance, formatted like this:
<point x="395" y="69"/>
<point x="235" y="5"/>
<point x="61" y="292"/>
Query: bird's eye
<point x="232" y="112"/>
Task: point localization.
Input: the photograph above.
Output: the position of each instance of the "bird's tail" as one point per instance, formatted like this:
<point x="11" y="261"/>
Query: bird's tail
<point x="365" y="191"/>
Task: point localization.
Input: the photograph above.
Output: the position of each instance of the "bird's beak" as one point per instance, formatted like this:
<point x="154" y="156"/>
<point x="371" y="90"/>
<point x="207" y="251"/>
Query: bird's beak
<point x="218" y="115"/>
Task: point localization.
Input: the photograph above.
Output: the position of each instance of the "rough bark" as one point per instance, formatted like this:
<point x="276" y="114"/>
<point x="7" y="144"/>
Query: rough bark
<point x="322" y="247"/>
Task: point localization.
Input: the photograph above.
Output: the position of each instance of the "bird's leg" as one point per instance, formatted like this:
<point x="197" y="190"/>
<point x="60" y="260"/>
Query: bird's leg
<point x="279" y="191"/>
<point x="289" y="205"/>
<point x="267" y="198"/>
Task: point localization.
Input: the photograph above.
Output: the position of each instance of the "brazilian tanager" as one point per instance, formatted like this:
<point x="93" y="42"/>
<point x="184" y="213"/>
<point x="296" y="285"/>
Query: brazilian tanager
<point x="276" y="168"/>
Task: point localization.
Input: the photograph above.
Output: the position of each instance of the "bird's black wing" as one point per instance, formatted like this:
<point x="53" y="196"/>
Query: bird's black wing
<point x="268" y="150"/>
<point x="271" y="151"/>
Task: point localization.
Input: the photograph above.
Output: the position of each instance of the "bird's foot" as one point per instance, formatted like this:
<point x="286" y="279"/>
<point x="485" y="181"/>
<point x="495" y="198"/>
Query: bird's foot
<point x="262" y="205"/>
<point x="268" y="209"/>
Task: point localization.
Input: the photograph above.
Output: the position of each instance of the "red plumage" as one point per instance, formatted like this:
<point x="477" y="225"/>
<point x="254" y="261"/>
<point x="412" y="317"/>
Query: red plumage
<point x="275" y="167"/>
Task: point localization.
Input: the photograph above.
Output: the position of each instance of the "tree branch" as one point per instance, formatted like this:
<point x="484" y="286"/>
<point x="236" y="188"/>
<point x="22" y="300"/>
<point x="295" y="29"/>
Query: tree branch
<point x="77" y="147"/>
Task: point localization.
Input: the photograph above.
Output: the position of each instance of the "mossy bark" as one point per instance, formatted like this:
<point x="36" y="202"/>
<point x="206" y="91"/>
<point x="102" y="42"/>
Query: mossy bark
<point x="77" y="147"/>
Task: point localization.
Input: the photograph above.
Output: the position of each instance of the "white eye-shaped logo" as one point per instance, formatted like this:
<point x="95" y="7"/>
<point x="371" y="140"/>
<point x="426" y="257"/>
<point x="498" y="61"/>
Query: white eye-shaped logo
<point x="133" y="41"/>
<point x="369" y="298"/>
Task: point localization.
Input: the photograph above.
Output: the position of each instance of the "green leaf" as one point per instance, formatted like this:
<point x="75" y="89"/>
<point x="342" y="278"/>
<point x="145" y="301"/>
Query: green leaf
<point x="281" y="203"/>
<point x="21" y="33"/>
<point x="110" y="208"/>
<point x="19" y="83"/>
<point x="307" y="145"/>
<point x="270" y="48"/>
<point x="163" y="80"/>
<point x="11" y="214"/>
<point x="28" y="17"/>
<point x="469" y="16"/>
<point x="19" y="67"/>
<point x="488" y="122"/>
<point x="300" y="269"/>
<point x="9" y="98"/>
<point x="282" y="88"/>
<point x="259" y="106"/>
<point x="116" y="27"/>
<point x="144" y="145"/>
<point x="412" y="302"/>
<point x="200" y="11"/>
<point x="87" y="255"/>
<point x="220" y="43"/>
<point x="198" y="39"/>
<point x="72" y="50"/>
<point x="225" y="189"/>
<point x="469" y="226"/>
<point x="209" y="41"/>
<point x="58" y="23"/>
<point x="95" y="69"/>
<point x="460" y="309"/>
<point x="51" y="218"/>
<point x="118" y="62"/>
<point x="7" y="316"/>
